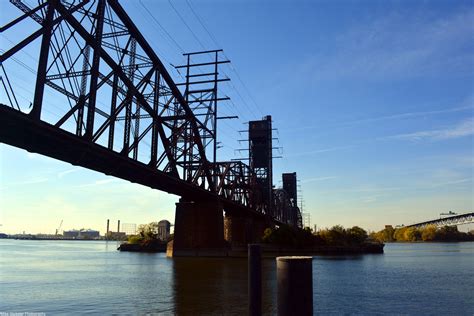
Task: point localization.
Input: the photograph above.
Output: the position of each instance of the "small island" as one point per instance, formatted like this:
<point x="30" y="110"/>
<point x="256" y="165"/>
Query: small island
<point x="146" y="240"/>
<point x="336" y="240"/>
<point x="283" y="240"/>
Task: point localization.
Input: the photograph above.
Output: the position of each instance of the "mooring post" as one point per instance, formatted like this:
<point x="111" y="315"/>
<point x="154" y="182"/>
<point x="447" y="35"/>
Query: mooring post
<point x="255" y="279"/>
<point x="295" y="285"/>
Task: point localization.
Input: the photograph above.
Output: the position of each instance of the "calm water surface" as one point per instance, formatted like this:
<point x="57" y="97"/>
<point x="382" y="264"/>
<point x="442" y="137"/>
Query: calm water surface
<point x="60" y="277"/>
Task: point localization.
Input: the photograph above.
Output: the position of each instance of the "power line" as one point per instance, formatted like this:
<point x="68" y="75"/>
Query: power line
<point x="186" y="24"/>
<point x="202" y="24"/>
<point x="245" y="87"/>
<point x="170" y="39"/>
<point x="242" y="98"/>
<point x="231" y="66"/>
<point x="200" y="43"/>
<point x="161" y="26"/>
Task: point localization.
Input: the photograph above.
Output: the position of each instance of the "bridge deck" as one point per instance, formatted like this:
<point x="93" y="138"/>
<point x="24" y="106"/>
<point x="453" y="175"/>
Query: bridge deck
<point x="19" y="130"/>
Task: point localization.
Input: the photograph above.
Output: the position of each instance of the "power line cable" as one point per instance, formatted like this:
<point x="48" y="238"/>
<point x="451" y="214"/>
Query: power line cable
<point x="245" y="87"/>
<point x="202" y="24"/>
<point x="161" y="26"/>
<point x="217" y="44"/>
<point x="186" y="24"/>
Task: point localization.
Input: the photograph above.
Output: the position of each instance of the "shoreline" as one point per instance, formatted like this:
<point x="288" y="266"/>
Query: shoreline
<point x="268" y="250"/>
<point x="57" y="239"/>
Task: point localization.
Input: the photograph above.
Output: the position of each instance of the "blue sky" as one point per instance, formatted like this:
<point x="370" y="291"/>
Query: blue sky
<point x="373" y="101"/>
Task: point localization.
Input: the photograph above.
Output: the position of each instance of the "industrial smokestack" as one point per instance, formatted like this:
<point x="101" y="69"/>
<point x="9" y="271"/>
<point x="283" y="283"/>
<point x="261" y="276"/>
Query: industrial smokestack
<point x="108" y="222"/>
<point x="118" y="226"/>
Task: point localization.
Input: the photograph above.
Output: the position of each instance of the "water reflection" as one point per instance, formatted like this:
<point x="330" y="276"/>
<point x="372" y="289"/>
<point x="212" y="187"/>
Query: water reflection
<point x="341" y="258"/>
<point x="217" y="286"/>
<point x="64" y="277"/>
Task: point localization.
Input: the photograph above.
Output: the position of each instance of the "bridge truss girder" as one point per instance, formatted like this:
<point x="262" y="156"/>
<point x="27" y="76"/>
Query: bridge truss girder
<point x="120" y="111"/>
<point x="94" y="58"/>
<point x="460" y="219"/>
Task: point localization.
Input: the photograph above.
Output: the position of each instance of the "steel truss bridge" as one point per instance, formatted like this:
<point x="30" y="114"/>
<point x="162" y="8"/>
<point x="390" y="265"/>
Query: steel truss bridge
<point x="120" y="111"/>
<point x="466" y="218"/>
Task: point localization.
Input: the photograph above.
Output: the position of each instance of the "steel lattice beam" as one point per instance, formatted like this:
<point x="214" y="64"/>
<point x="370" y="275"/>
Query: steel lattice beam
<point x="447" y="221"/>
<point x="94" y="60"/>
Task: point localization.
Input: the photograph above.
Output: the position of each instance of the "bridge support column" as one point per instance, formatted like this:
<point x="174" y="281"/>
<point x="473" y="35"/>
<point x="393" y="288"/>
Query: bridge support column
<point x="237" y="229"/>
<point x="198" y="230"/>
<point x="241" y="229"/>
<point x="258" y="227"/>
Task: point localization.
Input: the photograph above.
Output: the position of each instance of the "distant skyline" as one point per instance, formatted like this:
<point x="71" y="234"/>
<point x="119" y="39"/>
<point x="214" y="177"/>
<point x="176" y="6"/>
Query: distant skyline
<point x="373" y="102"/>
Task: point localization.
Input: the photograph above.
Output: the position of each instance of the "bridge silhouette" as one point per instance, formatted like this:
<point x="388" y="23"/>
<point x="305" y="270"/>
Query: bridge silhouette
<point x="122" y="114"/>
<point x="457" y="219"/>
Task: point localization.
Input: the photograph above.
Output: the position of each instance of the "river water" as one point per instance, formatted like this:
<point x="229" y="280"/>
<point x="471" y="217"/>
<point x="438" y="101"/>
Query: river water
<point x="60" y="277"/>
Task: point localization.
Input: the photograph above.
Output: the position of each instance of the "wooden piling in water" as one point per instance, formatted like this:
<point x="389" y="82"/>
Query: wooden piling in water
<point x="255" y="279"/>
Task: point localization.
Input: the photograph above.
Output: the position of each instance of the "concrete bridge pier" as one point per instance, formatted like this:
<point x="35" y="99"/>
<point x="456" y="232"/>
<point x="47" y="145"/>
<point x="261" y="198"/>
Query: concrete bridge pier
<point x="237" y="229"/>
<point x="198" y="230"/>
<point x="241" y="229"/>
<point x="259" y="224"/>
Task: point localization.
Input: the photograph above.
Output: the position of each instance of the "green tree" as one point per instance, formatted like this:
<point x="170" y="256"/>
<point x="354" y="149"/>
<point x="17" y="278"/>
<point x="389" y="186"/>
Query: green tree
<point x="387" y="234"/>
<point x="134" y="239"/>
<point x="357" y="235"/>
<point x="411" y="234"/>
<point x="399" y="234"/>
<point x="449" y="233"/>
<point x="267" y="235"/>
<point x="336" y="235"/>
<point x="428" y="233"/>
<point x="148" y="231"/>
<point x="378" y="236"/>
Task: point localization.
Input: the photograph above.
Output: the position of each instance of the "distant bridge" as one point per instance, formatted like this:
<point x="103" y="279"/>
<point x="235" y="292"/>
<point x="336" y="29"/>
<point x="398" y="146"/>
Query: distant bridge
<point x="459" y="219"/>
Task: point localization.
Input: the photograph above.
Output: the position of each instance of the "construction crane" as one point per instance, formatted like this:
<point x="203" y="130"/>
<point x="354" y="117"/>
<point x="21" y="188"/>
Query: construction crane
<point x="60" y="225"/>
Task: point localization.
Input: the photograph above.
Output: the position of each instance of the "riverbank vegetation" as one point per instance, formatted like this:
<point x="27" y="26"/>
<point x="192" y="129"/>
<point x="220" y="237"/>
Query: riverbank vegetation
<point x="337" y="236"/>
<point x="428" y="233"/>
<point x="145" y="233"/>
<point x="146" y="240"/>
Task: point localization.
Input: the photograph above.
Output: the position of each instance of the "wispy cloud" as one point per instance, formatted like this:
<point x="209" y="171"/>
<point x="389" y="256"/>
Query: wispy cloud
<point x="462" y="129"/>
<point x="105" y="181"/>
<point x="318" y="179"/>
<point x="453" y="182"/>
<point x="63" y="173"/>
<point x="38" y="157"/>
<point x="389" y="48"/>
<point x="408" y="115"/>
<point x="25" y="182"/>
<point x="397" y="116"/>
<point x="32" y="181"/>
<point x="370" y="199"/>
<point x="99" y="182"/>
<point x="319" y="151"/>
<point x="362" y="192"/>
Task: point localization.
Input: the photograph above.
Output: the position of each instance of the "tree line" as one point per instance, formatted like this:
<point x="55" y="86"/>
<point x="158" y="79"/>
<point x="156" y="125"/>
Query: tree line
<point x="301" y="238"/>
<point x="146" y="234"/>
<point x="427" y="233"/>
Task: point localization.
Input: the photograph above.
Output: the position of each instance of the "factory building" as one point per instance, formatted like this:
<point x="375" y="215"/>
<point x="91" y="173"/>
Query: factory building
<point x="81" y="234"/>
